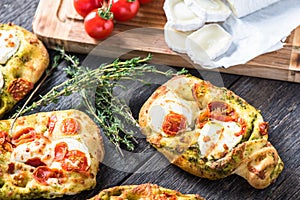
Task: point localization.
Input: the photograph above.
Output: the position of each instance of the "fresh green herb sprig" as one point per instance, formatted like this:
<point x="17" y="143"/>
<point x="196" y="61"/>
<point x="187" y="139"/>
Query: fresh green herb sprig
<point x="109" y="112"/>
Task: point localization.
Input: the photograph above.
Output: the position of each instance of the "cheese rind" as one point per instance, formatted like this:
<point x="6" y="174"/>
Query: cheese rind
<point x="209" y="42"/>
<point x="242" y="8"/>
<point x="9" y="44"/>
<point x="181" y="18"/>
<point x="175" y="39"/>
<point x="214" y="10"/>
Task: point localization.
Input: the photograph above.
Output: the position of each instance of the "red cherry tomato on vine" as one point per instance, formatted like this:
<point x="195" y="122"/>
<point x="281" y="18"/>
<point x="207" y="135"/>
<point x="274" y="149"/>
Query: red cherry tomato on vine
<point x="124" y="10"/>
<point x="144" y="1"/>
<point x="84" y="7"/>
<point x="98" y="24"/>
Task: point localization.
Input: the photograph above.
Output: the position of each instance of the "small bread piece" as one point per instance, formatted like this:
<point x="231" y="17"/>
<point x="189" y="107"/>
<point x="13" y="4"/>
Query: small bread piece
<point x="144" y="191"/>
<point x="23" y="60"/>
<point x="48" y="155"/>
<point x="209" y="131"/>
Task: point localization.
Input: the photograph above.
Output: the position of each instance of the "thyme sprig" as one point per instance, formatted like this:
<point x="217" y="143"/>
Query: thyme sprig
<point x="108" y="111"/>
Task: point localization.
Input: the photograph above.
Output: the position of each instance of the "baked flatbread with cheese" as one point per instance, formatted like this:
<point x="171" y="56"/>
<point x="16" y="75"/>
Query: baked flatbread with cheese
<point x="209" y="131"/>
<point x="144" y="191"/>
<point x="49" y="154"/>
<point x="23" y="59"/>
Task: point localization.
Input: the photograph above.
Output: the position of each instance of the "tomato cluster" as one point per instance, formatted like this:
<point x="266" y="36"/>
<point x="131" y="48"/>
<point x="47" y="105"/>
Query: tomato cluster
<point x="99" y="15"/>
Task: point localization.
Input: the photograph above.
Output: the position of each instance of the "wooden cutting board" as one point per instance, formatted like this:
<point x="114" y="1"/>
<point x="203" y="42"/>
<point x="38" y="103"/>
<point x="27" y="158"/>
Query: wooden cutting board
<point x="57" y="23"/>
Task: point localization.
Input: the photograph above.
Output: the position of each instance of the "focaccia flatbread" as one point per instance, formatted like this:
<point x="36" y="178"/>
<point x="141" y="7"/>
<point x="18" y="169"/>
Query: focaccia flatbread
<point x="142" y="192"/>
<point x="23" y="59"/>
<point x="48" y="155"/>
<point x="209" y="131"/>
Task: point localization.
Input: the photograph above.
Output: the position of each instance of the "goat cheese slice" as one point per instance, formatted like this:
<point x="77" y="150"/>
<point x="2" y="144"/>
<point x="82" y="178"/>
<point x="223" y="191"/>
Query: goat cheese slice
<point x="215" y="10"/>
<point x="9" y="44"/>
<point x="242" y="8"/>
<point x="175" y="39"/>
<point x="209" y="41"/>
<point x="181" y="17"/>
<point x="218" y="138"/>
<point x="165" y="105"/>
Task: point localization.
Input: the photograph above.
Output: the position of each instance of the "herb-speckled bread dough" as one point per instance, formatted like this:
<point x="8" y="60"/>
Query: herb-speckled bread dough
<point x="21" y="67"/>
<point x="142" y="192"/>
<point x="209" y="131"/>
<point x="49" y="154"/>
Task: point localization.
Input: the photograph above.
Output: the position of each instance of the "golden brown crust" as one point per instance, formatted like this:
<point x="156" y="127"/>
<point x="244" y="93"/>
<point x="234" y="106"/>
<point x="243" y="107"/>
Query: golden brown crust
<point x="253" y="157"/>
<point x="144" y="110"/>
<point x="144" y="191"/>
<point x="27" y="64"/>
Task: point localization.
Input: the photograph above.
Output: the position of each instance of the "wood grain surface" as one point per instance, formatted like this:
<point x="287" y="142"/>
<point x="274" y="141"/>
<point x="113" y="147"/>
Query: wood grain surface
<point x="54" y="16"/>
<point x="277" y="100"/>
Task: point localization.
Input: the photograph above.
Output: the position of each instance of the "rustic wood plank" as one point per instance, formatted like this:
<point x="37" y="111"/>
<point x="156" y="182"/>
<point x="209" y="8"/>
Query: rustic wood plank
<point x="281" y="64"/>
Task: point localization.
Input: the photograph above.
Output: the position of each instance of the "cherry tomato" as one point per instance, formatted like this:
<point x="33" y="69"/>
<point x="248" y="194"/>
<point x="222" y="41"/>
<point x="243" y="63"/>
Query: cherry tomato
<point x="98" y="24"/>
<point x="75" y="161"/>
<point x="60" y="151"/>
<point x="173" y="123"/>
<point x="124" y="10"/>
<point x="144" y="1"/>
<point x="70" y="126"/>
<point x="84" y="7"/>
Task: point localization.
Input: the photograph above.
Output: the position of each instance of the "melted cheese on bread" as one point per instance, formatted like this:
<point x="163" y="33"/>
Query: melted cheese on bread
<point x="9" y="44"/>
<point x="218" y="138"/>
<point x="229" y="135"/>
<point x="163" y="106"/>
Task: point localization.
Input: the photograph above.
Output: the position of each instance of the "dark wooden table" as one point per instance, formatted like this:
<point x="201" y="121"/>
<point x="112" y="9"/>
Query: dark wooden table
<point x="278" y="101"/>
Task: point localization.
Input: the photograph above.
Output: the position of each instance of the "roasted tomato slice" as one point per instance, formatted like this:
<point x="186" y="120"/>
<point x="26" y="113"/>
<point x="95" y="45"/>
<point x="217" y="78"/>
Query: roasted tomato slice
<point x="24" y="135"/>
<point x="221" y="111"/>
<point x="202" y="119"/>
<point x="75" y="161"/>
<point x="51" y="123"/>
<point x="173" y="123"/>
<point x="70" y="126"/>
<point x="35" y="162"/>
<point x="19" y="88"/>
<point x="60" y="151"/>
<point x="43" y="173"/>
<point x="263" y="128"/>
<point x="3" y="136"/>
